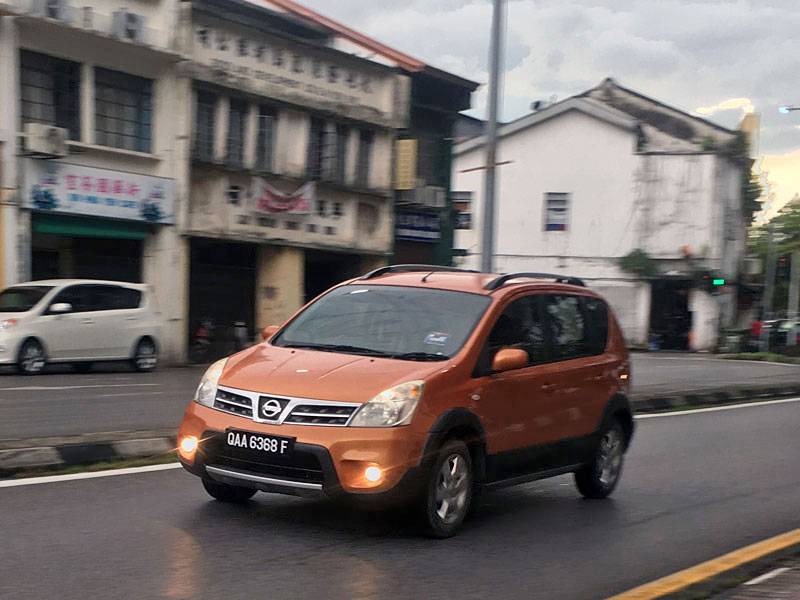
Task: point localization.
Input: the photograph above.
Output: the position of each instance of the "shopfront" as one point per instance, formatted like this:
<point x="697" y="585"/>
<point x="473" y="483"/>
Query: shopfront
<point x="93" y="223"/>
<point x="417" y="235"/>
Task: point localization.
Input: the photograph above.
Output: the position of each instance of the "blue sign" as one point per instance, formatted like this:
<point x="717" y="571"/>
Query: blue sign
<point x="417" y="227"/>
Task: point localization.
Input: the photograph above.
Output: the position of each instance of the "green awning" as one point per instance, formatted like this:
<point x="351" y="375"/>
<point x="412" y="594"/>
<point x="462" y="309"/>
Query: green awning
<point x="88" y="227"/>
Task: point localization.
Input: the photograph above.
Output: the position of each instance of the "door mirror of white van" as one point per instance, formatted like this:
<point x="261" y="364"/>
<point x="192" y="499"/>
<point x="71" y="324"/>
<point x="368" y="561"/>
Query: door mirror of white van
<point x="60" y="308"/>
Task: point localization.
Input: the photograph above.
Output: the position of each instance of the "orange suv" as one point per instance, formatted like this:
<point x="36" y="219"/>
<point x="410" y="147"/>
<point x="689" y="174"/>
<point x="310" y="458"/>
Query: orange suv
<point x="420" y="384"/>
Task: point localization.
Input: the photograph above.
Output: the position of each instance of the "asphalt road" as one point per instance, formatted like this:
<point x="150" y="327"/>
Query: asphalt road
<point x="695" y="486"/>
<point x="117" y="399"/>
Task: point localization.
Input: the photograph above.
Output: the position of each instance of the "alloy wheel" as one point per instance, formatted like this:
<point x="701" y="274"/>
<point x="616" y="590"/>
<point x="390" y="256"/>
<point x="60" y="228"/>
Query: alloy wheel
<point x="452" y="488"/>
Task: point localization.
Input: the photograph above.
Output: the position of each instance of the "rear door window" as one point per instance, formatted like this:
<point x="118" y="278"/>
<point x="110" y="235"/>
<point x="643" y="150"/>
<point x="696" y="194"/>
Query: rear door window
<point x="520" y="325"/>
<point x="596" y="313"/>
<point x="113" y="297"/>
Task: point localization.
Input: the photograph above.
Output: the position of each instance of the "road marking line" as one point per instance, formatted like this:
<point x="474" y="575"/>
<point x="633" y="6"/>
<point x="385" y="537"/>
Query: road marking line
<point x="767" y="576"/>
<point x="717" y="408"/>
<point x="44" y="388"/>
<point x="130" y="394"/>
<point x="683" y="579"/>
<point x="108" y="473"/>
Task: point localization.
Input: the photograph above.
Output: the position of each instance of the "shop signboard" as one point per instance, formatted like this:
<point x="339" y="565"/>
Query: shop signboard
<point x="58" y="187"/>
<point x="417" y="227"/>
<point x="265" y="199"/>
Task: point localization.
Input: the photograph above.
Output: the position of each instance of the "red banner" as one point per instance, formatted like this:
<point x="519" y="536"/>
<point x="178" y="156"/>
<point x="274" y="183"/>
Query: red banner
<point x="266" y="199"/>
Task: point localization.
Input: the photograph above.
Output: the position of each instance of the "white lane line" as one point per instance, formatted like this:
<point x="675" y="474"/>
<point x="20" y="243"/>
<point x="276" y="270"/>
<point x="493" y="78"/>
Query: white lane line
<point x="45" y="388"/>
<point x="716" y="408"/>
<point x="767" y="576"/>
<point x="109" y="473"/>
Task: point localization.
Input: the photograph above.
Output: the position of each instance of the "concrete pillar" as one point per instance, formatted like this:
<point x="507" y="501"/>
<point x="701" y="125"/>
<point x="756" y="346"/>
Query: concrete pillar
<point x="644" y="303"/>
<point x="9" y="125"/>
<point x="705" y="318"/>
<point x="279" y="284"/>
<point x="87" y="103"/>
<point x="165" y="267"/>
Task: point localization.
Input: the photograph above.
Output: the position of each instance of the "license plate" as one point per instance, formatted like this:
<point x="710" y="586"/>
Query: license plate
<point x="269" y="445"/>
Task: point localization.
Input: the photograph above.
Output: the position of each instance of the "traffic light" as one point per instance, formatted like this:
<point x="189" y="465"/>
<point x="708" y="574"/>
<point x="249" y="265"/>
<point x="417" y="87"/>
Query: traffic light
<point x="719" y="282"/>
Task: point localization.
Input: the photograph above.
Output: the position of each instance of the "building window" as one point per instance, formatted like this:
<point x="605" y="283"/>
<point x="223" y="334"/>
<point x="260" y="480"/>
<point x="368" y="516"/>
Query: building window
<point x="556" y="211"/>
<point x="311" y="228"/>
<point x="50" y="92"/>
<point x="338" y="210"/>
<point x="316" y="141"/>
<point x="342" y="134"/>
<point x="266" y="138"/>
<point x="330" y="231"/>
<point x="123" y="110"/>
<point x="292" y="225"/>
<point x="237" y="118"/>
<point x="322" y="208"/>
<point x="206" y="121"/>
<point x="364" y="152"/>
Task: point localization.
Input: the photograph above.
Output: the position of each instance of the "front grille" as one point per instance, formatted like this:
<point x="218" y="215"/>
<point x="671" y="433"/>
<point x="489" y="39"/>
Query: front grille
<point x="301" y="466"/>
<point x="320" y="414"/>
<point x="236" y="404"/>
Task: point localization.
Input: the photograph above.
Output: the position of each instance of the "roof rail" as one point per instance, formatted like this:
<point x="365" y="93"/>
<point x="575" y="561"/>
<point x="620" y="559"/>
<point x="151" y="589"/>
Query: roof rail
<point x="413" y="269"/>
<point x="499" y="281"/>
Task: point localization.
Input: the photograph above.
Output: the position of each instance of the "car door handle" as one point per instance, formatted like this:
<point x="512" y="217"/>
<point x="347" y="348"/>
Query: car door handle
<point x="131" y="318"/>
<point x="87" y="321"/>
<point x="548" y="387"/>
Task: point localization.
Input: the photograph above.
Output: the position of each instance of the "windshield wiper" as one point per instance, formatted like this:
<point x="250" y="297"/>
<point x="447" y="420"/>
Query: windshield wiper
<point x="422" y="356"/>
<point x="340" y="348"/>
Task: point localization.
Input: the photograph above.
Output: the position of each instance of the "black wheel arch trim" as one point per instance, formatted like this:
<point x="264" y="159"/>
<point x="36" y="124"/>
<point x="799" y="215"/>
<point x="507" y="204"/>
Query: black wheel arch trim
<point x="146" y="336"/>
<point x="32" y="338"/>
<point x="619" y="407"/>
<point x="457" y="422"/>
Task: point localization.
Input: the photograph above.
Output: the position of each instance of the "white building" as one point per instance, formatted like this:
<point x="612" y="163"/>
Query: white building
<point x="588" y="180"/>
<point x="95" y="147"/>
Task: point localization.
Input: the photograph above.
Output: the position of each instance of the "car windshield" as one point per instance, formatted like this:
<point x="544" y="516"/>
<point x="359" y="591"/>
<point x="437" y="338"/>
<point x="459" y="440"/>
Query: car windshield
<point x="405" y="323"/>
<point x="22" y="298"/>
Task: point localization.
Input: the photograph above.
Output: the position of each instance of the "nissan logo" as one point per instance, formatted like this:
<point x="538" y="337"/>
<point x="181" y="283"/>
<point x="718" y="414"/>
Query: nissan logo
<point x="271" y="409"/>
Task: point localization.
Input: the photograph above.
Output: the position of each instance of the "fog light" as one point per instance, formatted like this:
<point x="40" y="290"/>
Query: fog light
<point x="189" y="444"/>
<point x="372" y="474"/>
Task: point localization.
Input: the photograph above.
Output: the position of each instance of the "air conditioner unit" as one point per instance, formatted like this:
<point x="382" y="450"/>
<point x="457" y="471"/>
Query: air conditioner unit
<point x="431" y="196"/>
<point x="52" y="9"/>
<point x="128" y="25"/>
<point x="45" y="141"/>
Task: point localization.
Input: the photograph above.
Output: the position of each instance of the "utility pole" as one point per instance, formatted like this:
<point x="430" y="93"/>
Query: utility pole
<point x="769" y="285"/>
<point x="487" y="241"/>
<point x="794" y="297"/>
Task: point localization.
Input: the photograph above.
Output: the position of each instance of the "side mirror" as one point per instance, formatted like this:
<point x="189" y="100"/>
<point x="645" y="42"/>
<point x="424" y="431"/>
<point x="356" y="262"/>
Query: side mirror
<point x="268" y="332"/>
<point x="60" y="308"/>
<point x="509" y="359"/>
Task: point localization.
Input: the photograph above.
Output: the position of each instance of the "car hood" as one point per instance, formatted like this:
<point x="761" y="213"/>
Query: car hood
<point x="320" y="375"/>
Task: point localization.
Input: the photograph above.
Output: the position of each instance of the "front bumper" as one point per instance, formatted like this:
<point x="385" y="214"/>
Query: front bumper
<point x="327" y="461"/>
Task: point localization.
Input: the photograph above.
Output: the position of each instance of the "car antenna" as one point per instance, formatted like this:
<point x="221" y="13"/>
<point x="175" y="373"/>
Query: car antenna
<point x="425" y="279"/>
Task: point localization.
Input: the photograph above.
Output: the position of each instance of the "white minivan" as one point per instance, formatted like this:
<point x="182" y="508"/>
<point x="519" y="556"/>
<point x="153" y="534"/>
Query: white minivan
<point x="77" y="321"/>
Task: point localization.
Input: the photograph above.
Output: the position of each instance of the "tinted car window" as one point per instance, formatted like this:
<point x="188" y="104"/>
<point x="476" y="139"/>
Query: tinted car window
<point x="567" y="327"/>
<point x="390" y="320"/>
<point x="22" y="298"/>
<point x="519" y="326"/>
<point x="78" y="296"/>
<point x="112" y="297"/>
<point x="596" y="313"/>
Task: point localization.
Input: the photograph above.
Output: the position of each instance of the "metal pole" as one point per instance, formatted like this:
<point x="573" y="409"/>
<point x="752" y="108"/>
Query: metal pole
<point x="769" y="285"/>
<point x="487" y="242"/>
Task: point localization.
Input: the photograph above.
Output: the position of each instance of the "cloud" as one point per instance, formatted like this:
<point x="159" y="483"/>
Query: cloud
<point x="744" y="104"/>
<point x="687" y="53"/>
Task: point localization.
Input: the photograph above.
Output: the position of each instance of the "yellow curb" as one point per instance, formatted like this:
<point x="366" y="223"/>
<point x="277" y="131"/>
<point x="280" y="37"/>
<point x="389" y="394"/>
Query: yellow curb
<point x="683" y="579"/>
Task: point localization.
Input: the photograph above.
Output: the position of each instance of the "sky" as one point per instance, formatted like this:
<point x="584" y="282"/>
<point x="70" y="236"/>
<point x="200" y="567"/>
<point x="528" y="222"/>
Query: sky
<point x="719" y="59"/>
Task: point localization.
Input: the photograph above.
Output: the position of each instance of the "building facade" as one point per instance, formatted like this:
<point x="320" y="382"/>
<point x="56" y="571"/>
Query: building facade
<point x="588" y="180"/>
<point x="94" y="157"/>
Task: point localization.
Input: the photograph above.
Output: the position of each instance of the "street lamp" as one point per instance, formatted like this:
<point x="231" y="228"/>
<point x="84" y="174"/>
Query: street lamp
<point x="787" y="109"/>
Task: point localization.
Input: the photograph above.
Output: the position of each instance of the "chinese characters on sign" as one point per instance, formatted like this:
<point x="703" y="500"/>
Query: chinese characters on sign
<point x="277" y="63"/>
<point x="65" y="188"/>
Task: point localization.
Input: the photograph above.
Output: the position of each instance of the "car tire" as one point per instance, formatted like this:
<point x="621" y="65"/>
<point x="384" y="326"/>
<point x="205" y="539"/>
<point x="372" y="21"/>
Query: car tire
<point x="31" y="359"/>
<point x="228" y="493"/>
<point x="82" y="367"/>
<point x="448" y="493"/>
<point x="145" y="357"/>
<point x="598" y="478"/>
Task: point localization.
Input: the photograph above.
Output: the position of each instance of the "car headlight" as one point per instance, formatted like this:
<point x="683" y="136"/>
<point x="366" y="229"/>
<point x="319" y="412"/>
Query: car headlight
<point x="8" y="323"/>
<point x="391" y="407"/>
<point x="207" y="390"/>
